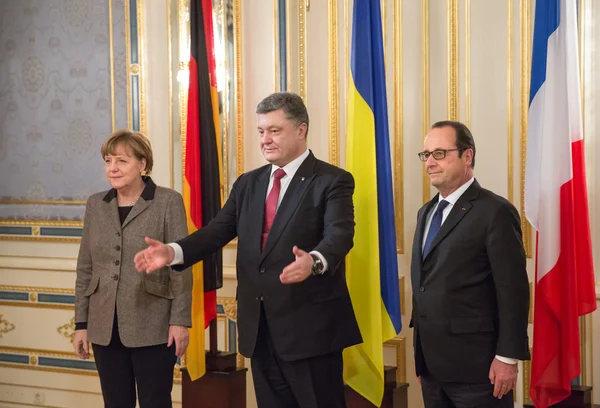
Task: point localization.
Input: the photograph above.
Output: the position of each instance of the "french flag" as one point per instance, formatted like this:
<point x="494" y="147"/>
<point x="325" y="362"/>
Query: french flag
<point x="556" y="203"/>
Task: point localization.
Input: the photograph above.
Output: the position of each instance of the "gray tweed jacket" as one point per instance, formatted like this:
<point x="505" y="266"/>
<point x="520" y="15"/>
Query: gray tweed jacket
<point x="106" y="276"/>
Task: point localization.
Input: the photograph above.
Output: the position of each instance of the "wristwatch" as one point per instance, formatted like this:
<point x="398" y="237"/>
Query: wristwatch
<point x="317" y="266"/>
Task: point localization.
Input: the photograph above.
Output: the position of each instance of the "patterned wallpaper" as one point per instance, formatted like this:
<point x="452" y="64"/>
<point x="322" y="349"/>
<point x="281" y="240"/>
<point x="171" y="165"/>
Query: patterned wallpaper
<point x="56" y="102"/>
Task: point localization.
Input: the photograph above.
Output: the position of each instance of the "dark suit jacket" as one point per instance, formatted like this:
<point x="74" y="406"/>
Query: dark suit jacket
<point x="308" y="319"/>
<point x="471" y="292"/>
<point x="147" y="304"/>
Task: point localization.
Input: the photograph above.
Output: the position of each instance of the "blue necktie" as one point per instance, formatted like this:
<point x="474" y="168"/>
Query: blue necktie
<point x="434" y="227"/>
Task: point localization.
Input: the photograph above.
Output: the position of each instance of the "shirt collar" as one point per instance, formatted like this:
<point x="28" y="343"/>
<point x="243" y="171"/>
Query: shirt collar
<point x="147" y="193"/>
<point x="453" y="197"/>
<point x="292" y="167"/>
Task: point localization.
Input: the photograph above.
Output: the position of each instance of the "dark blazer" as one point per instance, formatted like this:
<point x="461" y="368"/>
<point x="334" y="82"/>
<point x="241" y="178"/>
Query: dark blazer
<point x="471" y="292"/>
<point x="106" y="274"/>
<point x="308" y="319"/>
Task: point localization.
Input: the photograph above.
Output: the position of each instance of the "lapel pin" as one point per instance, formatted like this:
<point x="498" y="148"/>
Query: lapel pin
<point x="463" y="209"/>
<point x="302" y="179"/>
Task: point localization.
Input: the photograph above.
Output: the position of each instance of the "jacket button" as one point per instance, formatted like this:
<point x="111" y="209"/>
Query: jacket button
<point x="115" y="277"/>
<point x="422" y="289"/>
<point x="118" y="248"/>
<point x="117" y="262"/>
<point x="262" y="270"/>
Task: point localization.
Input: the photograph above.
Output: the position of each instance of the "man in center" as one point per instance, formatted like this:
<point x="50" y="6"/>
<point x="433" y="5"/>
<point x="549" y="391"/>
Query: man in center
<point x="294" y="220"/>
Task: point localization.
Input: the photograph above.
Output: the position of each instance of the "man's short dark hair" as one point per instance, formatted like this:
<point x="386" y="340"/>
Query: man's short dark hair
<point x="291" y="103"/>
<point x="464" y="138"/>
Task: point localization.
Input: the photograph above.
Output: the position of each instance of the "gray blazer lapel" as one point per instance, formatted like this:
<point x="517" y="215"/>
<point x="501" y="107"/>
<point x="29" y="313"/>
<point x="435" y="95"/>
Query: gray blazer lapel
<point x="140" y="206"/>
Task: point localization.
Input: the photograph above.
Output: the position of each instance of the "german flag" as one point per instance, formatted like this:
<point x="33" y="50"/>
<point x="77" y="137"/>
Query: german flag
<point x="202" y="181"/>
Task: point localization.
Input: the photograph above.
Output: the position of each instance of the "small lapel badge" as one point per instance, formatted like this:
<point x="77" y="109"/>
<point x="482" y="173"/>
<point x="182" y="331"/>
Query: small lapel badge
<point x="302" y="179"/>
<point x="463" y="209"/>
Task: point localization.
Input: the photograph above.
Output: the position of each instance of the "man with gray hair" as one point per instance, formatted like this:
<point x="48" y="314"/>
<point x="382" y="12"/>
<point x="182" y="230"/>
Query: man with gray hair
<point x="294" y="220"/>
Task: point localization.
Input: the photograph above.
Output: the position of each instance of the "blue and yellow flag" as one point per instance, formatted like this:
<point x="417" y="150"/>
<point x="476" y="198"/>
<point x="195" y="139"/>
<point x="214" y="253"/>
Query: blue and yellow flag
<point x="372" y="264"/>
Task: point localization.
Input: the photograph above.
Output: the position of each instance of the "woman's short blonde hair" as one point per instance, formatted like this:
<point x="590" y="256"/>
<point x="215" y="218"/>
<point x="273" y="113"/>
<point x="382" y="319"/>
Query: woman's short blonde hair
<point x="136" y="141"/>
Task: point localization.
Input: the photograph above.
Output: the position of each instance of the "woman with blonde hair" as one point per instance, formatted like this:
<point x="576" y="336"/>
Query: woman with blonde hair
<point x="137" y="323"/>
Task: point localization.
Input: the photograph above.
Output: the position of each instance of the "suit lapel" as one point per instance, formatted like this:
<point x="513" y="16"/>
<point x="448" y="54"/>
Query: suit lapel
<point x="111" y="210"/>
<point x="418" y="243"/>
<point x="140" y="206"/>
<point x="292" y="198"/>
<point x="459" y="210"/>
<point x="257" y="206"/>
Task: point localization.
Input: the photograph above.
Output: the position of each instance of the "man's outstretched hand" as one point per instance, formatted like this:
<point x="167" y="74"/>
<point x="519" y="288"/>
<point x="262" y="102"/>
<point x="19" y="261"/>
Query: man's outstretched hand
<point x="156" y="256"/>
<point x="299" y="270"/>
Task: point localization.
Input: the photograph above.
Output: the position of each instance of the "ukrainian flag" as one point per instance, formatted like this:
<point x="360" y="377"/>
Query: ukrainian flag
<point x="372" y="264"/>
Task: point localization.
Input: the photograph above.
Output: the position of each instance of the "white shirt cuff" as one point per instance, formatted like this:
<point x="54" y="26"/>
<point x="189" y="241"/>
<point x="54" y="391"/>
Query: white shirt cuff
<point x="322" y="258"/>
<point x="507" y="360"/>
<point x="178" y="258"/>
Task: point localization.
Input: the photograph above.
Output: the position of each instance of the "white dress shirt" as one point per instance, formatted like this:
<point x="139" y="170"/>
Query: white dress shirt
<point x="290" y="170"/>
<point x="452" y="199"/>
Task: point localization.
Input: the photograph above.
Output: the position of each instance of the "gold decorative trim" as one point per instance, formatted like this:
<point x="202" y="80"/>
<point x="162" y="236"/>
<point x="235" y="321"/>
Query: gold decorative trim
<point x="49" y="369"/>
<point x="38" y="257"/>
<point x="128" y="63"/>
<point x="61" y="291"/>
<point x="530" y="314"/>
<point x="183" y="91"/>
<point x="237" y="23"/>
<point x="33" y="300"/>
<point x="401" y="287"/>
<point x="135" y="69"/>
<point x="170" y="112"/>
<point x="41" y="239"/>
<point x="583" y="347"/>
<point x="230" y="308"/>
<point x="509" y="104"/>
<point x="400" y="345"/>
<point x="527" y="378"/>
<point x="40" y="352"/>
<point x="384" y="30"/>
<point x="332" y="9"/>
<point x="142" y="96"/>
<point x="453" y="59"/>
<point x="34" y="354"/>
<point x="426" y="96"/>
<point x="525" y="58"/>
<point x="5" y="326"/>
<point x="35" y="230"/>
<point x="43" y="202"/>
<point x="37" y="305"/>
<point x="42" y="223"/>
<point x="347" y="70"/>
<point x="67" y="330"/>
<point x="582" y="18"/>
<point x="276" y="87"/>
<point x="304" y="7"/>
<point x="111" y="40"/>
<point x="288" y="49"/>
<point x="468" y="63"/>
<point x="398" y="129"/>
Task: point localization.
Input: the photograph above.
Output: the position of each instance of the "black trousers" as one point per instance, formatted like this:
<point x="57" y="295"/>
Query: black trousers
<point x="315" y="382"/>
<point x="120" y="368"/>
<point x="438" y="394"/>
